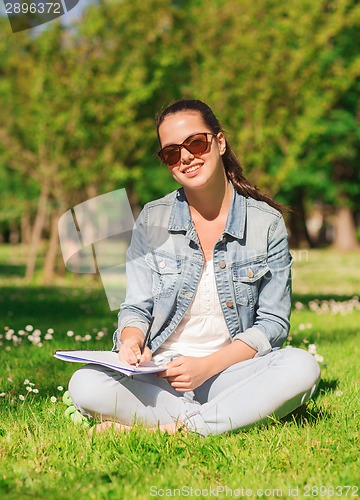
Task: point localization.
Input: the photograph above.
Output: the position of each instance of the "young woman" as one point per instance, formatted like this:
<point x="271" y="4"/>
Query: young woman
<point x="210" y="262"/>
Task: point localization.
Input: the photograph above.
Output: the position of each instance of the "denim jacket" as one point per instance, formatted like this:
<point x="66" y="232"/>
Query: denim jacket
<point x="252" y="267"/>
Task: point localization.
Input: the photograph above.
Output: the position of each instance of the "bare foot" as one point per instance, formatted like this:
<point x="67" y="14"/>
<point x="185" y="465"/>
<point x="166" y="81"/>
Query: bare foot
<point x="120" y="428"/>
<point x="170" y="428"/>
<point x="108" y="424"/>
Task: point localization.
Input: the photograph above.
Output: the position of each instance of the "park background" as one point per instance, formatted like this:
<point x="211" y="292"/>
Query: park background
<point x="77" y="106"/>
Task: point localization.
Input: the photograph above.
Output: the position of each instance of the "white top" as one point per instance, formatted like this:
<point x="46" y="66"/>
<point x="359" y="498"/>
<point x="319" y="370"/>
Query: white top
<point x="203" y="329"/>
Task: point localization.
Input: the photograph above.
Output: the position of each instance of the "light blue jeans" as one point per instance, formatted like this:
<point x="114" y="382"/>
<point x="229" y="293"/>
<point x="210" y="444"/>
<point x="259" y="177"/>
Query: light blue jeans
<point x="242" y="395"/>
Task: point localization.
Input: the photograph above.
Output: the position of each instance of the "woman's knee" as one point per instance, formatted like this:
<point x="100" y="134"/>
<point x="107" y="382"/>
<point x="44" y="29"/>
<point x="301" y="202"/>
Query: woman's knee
<point x="302" y="369"/>
<point x="84" y="385"/>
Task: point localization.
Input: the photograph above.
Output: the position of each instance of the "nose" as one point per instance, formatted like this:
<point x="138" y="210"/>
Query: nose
<point x="186" y="156"/>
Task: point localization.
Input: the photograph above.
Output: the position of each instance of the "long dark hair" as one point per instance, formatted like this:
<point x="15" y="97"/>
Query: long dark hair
<point x="233" y="169"/>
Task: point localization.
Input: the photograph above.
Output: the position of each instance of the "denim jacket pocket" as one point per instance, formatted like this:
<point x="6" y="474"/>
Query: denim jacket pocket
<point x="247" y="278"/>
<point x="166" y="269"/>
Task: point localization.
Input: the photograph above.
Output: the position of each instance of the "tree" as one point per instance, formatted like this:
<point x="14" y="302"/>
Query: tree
<point x="79" y="108"/>
<point x="279" y="72"/>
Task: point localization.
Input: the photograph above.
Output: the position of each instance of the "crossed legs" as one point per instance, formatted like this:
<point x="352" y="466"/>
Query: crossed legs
<point x="241" y="396"/>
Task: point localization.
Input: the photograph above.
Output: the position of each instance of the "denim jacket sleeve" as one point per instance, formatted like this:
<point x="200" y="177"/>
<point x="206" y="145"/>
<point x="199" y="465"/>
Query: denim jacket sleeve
<point x="138" y="304"/>
<point x="272" y="316"/>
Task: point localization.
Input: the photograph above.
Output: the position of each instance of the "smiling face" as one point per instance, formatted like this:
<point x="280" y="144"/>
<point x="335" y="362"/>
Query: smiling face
<point x="193" y="171"/>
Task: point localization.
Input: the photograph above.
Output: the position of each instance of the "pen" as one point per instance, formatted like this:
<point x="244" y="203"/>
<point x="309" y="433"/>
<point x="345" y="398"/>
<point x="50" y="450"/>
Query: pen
<point x="146" y="339"/>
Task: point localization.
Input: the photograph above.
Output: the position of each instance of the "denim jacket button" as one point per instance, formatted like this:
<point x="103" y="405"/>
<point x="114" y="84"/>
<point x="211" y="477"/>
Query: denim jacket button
<point x="250" y="273"/>
<point x="222" y="264"/>
<point x="229" y="303"/>
<point x="162" y="264"/>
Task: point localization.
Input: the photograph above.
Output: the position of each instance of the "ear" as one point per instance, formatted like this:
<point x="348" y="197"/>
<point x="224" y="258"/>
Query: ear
<point x="221" y="142"/>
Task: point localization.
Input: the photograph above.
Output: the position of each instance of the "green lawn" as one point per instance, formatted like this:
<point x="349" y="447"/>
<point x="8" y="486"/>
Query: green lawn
<point x="42" y="454"/>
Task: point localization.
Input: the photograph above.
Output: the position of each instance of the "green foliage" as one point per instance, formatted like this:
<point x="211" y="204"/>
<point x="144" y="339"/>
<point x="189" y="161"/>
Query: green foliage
<point x="285" y="82"/>
<point x="78" y="102"/>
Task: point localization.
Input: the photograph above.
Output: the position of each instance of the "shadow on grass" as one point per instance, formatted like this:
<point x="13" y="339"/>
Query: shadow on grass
<point x="306" y="298"/>
<point x="56" y="307"/>
<point x="12" y="270"/>
<point x="326" y="386"/>
<point x="311" y="413"/>
<point x="307" y="416"/>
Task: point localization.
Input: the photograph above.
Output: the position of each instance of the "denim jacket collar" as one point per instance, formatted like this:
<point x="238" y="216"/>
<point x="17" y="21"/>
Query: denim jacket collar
<point x="180" y="218"/>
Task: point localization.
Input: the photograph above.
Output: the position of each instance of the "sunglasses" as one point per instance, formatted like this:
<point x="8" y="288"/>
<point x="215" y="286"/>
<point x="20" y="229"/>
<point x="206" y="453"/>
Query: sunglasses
<point x="196" y="144"/>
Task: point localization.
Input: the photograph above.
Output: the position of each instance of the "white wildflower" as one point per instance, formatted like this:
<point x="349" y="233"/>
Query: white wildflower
<point x="29" y="328"/>
<point x="50" y="330"/>
<point x="9" y="334"/>
<point x="53" y="399"/>
<point x="36" y="391"/>
<point x="312" y="348"/>
<point x="70" y="333"/>
<point x="60" y="388"/>
<point x="28" y="388"/>
<point x="21" y="397"/>
<point x="2" y="394"/>
<point x="319" y="358"/>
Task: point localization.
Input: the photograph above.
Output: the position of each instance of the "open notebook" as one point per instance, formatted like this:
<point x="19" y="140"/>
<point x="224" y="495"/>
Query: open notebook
<point x="109" y="359"/>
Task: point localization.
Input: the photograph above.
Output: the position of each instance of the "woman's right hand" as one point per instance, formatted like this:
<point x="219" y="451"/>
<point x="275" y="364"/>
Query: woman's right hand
<point x="132" y="340"/>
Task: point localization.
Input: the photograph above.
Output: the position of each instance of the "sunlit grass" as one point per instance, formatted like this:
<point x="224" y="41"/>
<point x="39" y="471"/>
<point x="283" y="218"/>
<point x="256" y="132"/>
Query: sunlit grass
<point x="42" y="454"/>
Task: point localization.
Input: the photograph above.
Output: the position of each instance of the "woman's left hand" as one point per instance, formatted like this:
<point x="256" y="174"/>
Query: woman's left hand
<point x="186" y="373"/>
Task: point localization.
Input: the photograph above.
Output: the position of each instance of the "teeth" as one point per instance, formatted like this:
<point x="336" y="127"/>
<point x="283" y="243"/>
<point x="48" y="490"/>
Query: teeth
<point x="192" y="169"/>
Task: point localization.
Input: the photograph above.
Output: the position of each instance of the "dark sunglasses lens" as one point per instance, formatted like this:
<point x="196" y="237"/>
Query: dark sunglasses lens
<point x="197" y="145"/>
<point x="171" y="155"/>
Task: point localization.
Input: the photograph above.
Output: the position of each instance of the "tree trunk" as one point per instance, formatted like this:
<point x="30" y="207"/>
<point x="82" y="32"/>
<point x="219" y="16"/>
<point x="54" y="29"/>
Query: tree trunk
<point x="37" y="232"/>
<point x="345" y="230"/>
<point x="14" y="237"/>
<point x="133" y="199"/>
<point x="299" y="237"/>
<point x="25" y="229"/>
<point x="52" y="251"/>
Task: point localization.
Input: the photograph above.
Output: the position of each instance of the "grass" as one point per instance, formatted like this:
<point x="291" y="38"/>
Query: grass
<point x="44" y="455"/>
